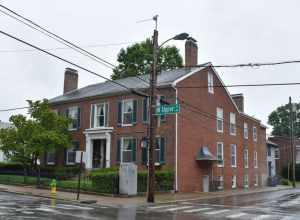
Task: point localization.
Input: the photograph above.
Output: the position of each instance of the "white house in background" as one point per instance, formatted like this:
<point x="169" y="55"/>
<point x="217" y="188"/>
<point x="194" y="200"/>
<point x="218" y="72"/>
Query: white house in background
<point x="3" y="125"/>
<point x="272" y="156"/>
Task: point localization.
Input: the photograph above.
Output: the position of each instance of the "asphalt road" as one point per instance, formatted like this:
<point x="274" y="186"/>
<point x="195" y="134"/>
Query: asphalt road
<point x="259" y="206"/>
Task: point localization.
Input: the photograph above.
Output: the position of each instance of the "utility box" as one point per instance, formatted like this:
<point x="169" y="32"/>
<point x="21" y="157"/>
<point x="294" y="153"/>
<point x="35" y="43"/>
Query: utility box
<point x="128" y="179"/>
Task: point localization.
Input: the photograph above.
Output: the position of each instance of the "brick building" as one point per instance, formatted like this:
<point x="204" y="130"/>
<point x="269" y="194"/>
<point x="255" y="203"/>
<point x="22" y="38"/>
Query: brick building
<point x="211" y="144"/>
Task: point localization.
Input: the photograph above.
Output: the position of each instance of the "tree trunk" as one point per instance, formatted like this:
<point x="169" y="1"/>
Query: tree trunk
<point x="25" y="173"/>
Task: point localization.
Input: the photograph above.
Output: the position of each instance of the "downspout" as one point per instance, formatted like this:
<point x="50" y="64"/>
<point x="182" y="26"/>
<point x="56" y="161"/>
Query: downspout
<point x="176" y="143"/>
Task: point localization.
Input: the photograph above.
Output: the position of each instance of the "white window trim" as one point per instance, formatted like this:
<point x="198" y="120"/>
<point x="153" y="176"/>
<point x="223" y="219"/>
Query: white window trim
<point x="210" y="83"/>
<point x="230" y="114"/>
<point x="233" y="186"/>
<point x="50" y="163"/>
<point x="69" y="108"/>
<point x="221" y="180"/>
<point x="67" y="157"/>
<point x="254" y="136"/>
<point x="221" y="143"/>
<point x="246" y="165"/>
<point x="255" y="160"/>
<point x="220" y="119"/>
<point x="246" y="185"/>
<point x="105" y="104"/>
<point x="246" y="134"/>
<point x="122" y="147"/>
<point x="256" y="180"/>
<point x="123" y="105"/>
<point x="235" y="165"/>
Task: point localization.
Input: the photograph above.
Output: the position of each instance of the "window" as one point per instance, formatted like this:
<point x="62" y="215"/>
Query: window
<point x="232" y="126"/>
<point x="50" y="158"/>
<point x="159" y="151"/>
<point x="219" y="120"/>
<point x="254" y="134"/>
<point x="246" y="181"/>
<point x="127" y="112"/>
<point x="220" y="182"/>
<point x="74" y="114"/>
<point x="233" y="182"/>
<point x="71" y="153"/>
<point x="161" y="100"/>
<point x="277" y="154"/>
<point x="233" y="155"/>
<point x="246" y="161"/>
<point x="220" y="154"/>
<point x="245" y="130"/>
<point x="126" y="149"/>
<point x="210" y="83"/>
<point x="269" y="152"/>
<point x="255" y="180"/>
<point x="99" y="115"/>
<point x="255" y="159"/>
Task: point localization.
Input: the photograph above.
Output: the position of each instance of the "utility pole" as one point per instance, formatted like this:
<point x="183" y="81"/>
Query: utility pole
<point x="292" y="141"/>
<point x="152" y="121"/>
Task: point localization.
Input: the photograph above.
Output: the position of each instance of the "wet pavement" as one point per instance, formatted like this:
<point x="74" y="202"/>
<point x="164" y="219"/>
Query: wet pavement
<point x="283" y="204"/>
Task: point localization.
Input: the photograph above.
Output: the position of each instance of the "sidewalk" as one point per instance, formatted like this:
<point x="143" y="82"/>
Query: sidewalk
<point x="133" y="201"/>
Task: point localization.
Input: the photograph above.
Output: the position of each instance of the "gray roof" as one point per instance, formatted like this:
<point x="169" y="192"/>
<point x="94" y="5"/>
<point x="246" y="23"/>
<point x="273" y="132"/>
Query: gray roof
<point x="166" y="78"/>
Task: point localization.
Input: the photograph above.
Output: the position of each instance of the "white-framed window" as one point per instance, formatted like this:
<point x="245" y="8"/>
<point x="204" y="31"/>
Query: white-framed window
<point x="254" y="134"/>
<point x="210" y="82"/>
<point x="255" y="160"/>
<point x="99" y="115"/>
<point x="71" y="153"/>
<point x="255" y="180"/>
<point x="74" y="114"/>
<point x="233" y="155"/>
<point x="220" y="119"/>
<point x="232" y="125"/>
<point x="128" y="149"/>
<point x="246" y="181"/>
<point x="127" y="112"/>
<point x="50" y="158"/>
<point x="233" y="182"/>
<point x="220" y="182"/>
<point x="277" y="153"/>
<point x="246" y="160"/>
<point x="246" y="130"/>
<point x="220" y="154"/>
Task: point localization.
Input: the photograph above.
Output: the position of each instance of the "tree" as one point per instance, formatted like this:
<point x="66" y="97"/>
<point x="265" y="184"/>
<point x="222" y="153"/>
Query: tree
<point x="280" y="120"/>
<point x="29" y="139"/>
<point x="137" y="59"/>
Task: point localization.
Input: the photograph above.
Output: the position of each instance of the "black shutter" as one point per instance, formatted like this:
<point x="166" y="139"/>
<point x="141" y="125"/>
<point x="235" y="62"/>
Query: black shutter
<point x="119" y="150"/>
<point x="145" y="109"/>
<point x="162" y="150"/>
<point x="134" y="114"/>
<point x="92" y="116"/>
<point x="120" y="113"/>
<point x="106" y="114"/>
<point x="78" y="118"/>
<point x="134" y="150"/>
<point x="145" y="154"/>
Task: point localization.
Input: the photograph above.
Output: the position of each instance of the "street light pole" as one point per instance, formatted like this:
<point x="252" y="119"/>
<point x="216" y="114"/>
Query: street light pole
<point x="292" y="141"/>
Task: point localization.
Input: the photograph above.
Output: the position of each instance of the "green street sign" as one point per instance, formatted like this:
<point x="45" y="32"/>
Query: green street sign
<point x="167" y="109"/>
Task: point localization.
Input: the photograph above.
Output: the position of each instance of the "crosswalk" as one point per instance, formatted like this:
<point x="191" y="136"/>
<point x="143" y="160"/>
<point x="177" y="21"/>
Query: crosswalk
<point x="217" y="211"/>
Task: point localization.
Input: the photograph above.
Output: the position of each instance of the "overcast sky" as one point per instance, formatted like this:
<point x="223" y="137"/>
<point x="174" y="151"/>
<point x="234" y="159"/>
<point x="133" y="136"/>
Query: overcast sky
<point x="228" y="32"/>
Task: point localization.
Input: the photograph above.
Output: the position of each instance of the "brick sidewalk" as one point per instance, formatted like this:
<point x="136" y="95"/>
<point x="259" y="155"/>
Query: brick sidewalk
<point x="133" y="201"/>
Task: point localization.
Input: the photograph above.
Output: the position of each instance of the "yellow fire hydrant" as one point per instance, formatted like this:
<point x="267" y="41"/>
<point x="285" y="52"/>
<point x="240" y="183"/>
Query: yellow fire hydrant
<point x="53" y="187"/>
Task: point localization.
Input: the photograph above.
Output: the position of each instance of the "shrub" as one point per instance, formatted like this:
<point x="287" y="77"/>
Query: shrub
<point x="103" y="170"/>
<point x="285" y="182"/>
<point x="284" y="172"/>
<point x="163" y="180"/>
<point x="106" y="182"/>
<point x="64" y="173"/>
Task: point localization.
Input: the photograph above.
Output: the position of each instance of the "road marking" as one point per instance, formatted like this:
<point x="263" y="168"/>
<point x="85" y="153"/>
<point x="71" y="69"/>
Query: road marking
<point x="238" y="215"/>
<point x="179" y="208"/>
<point x="287" y="218"/>
<point x="161" y="207"/>
<point x="196" y="210"/>
<point x="217" y="212"/>
<point x="71" y="207"/>
<point x="261" y="217"/>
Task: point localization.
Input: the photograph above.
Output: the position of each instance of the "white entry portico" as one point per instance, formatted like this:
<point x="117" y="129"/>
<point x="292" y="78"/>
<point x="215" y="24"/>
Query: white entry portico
<point x="93" y="134"/>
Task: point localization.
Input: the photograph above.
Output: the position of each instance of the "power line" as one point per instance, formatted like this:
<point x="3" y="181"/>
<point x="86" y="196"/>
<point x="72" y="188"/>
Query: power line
<point x="67" y="48"/>
<point x="13" y="109"/>
<point x="69" y="44"/>
<point x="243" y="85"/>
<point x="74" y="64"/>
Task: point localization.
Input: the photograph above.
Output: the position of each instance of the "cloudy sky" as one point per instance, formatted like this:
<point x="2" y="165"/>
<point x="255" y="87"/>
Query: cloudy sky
<point x="228" y="32"/>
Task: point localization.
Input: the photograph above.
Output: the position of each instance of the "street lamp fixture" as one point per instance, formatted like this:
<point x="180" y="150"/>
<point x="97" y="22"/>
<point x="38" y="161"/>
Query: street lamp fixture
<point x="181" y="36"/>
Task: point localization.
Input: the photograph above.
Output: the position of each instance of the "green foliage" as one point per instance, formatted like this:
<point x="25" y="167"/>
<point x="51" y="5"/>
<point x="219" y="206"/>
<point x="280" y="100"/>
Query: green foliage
<point x="137" y="59"/>
<point x="284" y="172"/>
<point x="107" y="182"/>
<point x="103" y="170"/>
<point x="285" y="182"/>
<point x="280" y="120"/>
<point x="29" y="139"/>
<point x="164" y="180"/>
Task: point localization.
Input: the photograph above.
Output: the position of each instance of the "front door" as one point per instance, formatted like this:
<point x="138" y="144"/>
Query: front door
<point x="205" y="183"/>
<point x="99" y="153"/>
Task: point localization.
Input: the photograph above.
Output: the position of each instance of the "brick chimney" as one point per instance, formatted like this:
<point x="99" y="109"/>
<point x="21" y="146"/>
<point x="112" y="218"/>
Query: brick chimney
<point x="191" y="52"/>
<point x="239" y="101"/>
<point x="71" y="80"/>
